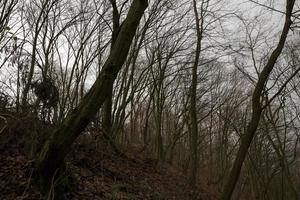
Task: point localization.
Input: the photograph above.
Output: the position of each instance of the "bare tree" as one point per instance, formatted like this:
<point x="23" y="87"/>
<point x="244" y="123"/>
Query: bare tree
<point x="6" y="10"/>
<point x="257" y="107"/>
<point x="58" y="145"/>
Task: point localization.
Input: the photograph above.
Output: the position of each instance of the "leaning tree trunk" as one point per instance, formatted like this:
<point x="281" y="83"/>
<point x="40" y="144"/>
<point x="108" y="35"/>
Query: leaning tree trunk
<point x="257" y="107"/>
<point x="52" y="156"/>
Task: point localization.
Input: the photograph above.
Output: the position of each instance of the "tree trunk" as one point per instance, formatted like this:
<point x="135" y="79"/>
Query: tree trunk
<point x="52" y="156"/>
<point x="193" y="103"/>
<point x="107" y="107"/>
<point x="257" y="108"/>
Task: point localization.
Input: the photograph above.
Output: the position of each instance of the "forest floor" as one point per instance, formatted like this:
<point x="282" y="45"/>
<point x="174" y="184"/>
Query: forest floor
<point x="120" y="177"/>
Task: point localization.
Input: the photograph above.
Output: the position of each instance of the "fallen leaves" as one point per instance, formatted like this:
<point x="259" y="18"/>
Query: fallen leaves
<point x="94" y="179"/>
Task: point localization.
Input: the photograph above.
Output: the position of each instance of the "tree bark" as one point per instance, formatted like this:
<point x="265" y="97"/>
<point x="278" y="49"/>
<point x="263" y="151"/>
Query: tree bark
<point x="193" y="103"/>
<point x="107" y="106"/>
<point x="52" y="156"/>
<point x="257" y="108"/>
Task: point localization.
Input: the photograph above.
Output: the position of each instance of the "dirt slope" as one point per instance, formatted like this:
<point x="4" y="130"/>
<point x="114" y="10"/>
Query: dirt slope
<point x="127" y="177"/>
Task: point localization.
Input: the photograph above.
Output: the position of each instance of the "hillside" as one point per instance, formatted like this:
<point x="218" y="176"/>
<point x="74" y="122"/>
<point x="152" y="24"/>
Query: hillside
<point x="128" y="177"/>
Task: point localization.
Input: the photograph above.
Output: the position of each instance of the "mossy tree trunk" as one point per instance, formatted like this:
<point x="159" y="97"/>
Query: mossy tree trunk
<point x="257" y="106"/>
<point x="52" y="156"/>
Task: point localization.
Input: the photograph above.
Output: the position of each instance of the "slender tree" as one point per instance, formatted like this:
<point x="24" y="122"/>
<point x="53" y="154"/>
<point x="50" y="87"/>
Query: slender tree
<point x="257" y="106"/>
<point x="193" y="96"/>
